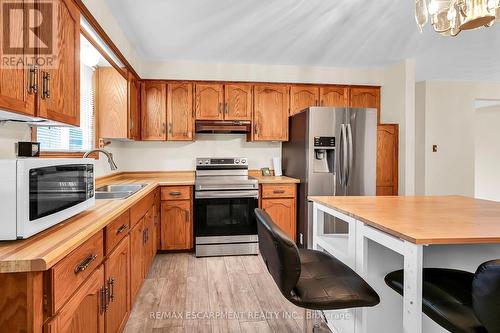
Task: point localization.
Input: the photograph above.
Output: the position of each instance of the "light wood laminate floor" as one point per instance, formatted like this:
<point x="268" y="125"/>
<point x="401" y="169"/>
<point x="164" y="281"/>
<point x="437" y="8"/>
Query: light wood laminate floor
<point x="183" y="293"/>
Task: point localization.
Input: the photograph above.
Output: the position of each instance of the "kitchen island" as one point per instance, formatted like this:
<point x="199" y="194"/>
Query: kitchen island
<point x="390" y="233"/>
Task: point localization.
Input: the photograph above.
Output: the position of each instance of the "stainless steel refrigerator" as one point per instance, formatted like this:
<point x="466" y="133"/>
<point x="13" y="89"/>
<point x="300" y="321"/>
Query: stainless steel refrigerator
<point x="333" y="151"/>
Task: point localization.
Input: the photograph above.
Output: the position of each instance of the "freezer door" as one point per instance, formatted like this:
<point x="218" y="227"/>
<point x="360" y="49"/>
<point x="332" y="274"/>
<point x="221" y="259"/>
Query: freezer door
<point x="361" y="133"/>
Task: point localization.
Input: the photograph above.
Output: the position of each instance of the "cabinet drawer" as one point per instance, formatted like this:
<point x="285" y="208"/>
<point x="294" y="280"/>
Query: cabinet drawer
<point x="69" y="273"/>
<point x="117" y="230"/>
<point x="140" y="209"/>
<point x="176" y="193"/>
<point x="278" y="190"/>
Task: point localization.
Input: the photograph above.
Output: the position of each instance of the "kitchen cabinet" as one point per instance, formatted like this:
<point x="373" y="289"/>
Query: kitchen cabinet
<point x="16" y="93"/>
<point x="153" y="111"/>
<point x="302" y="97"/>
<point x="117" y="281"/>
<point x="59" y="86"/>
<point x="209" y="101"/>
<point x="180" y="111"/>
<point x="387" y="159"/>
<point x="134" y="107"/>
<point x="112" y="104"/>
<point x="149" y="240"/>
<point x="176" y="218"/>
<point x="136" y="258"/>
<point x="238" y="101"/>
<point x="280" y="202"/>
<point x="365" y="97"/>
<point x="334" y="96"/>
<point x="271" y="108"/>
<point x="85" y="310"/>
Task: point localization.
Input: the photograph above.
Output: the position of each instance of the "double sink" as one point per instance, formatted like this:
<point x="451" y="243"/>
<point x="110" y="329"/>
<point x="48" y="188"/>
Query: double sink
<point x="117" y="191"/>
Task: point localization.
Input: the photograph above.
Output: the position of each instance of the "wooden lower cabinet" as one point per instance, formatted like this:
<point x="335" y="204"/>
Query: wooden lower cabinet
<point x="117" y="280"/>
<point x="149" y="240"/>
<point x="176" y="225"/>
<point x="283" y="213"/>
<point x="84" y="312"/>
<point x="136" y="258"/>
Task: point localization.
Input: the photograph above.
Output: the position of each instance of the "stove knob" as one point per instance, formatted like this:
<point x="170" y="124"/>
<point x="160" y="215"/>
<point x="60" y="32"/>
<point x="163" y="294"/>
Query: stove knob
<point x="243" y="161"/>
<point x="207" y="161"/>
<point x="236" y="161"/>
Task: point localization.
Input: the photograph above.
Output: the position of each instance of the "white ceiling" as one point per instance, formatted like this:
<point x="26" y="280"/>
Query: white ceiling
<point x="338" y="33"/>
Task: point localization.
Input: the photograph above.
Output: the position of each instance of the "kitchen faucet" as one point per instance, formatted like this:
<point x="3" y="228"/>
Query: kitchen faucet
<point x="111" y="162"/>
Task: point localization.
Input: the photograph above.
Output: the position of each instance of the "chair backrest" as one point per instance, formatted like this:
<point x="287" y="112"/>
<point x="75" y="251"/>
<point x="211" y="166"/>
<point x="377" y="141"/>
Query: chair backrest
<point x="486" y="295"/>
<point x="280" y="254"/>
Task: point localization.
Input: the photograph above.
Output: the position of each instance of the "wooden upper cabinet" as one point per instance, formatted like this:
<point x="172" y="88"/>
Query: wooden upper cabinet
<point x="271" y="107"/>
<point x="180" y="112"/>
<point x="153" y="111"/>
<point x="112" y="103"/>
<point x="334" y="96"/>
<point x="238" y="102"/>
<point x="387" y="159"/>
<point x="365" y="97"/>
<point x="209" y="101"/>
<point x="302" y="97"/>
<point x="134" y="108"/>
<point x="59" y="85"/>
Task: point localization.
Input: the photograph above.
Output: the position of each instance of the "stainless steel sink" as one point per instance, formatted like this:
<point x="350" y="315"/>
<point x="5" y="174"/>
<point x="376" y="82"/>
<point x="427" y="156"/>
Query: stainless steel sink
<point x="122" y="191"/>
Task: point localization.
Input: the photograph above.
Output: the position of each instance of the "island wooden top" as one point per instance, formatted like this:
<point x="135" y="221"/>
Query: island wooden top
<point x="425" y="219"/>
<point x="44" y="250"/>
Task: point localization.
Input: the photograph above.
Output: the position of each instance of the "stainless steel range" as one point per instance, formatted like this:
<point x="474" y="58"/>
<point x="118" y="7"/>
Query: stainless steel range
<point x="225" y="199"/>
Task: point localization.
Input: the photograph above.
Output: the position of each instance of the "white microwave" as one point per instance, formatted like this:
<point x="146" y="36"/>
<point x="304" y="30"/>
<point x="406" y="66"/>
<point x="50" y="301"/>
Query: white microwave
<point x="37" y="193"/>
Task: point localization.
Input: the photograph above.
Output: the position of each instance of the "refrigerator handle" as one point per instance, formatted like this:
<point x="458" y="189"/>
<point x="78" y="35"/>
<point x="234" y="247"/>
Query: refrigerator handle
<point x="350" y="152"/>
<point x="340" y="162"/>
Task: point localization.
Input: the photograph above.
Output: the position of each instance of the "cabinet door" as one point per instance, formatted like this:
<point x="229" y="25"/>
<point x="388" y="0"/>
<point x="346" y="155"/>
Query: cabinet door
<point x="112" y="103"/>
<point x="387" y="159"/>
<point x="153" y="111"/>
<point x="149" y="241"/>
<point x="84" y="311"/>
<point x="334" y="96"/>
<point x="176" y="225"/>
<point x="180" y="112"/>
<point x="238" y="102"/>
<point x="365" y="97"/>
<point x="283" y="213"/>
<point x="302" y="97"/>
<point x="15" y="92"/>
<point x="209" y="100"/>
<point x="136" y="259"/>
<point x="134" y="107"/>
<point x="117" y="277"/>
<point x="59" y="85"/>
<point x="270" y="113"/>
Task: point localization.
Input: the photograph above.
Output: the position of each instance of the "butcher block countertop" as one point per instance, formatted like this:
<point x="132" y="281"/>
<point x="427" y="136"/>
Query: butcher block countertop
<point x="44" y="250"/>
<point x="425" y="219"/>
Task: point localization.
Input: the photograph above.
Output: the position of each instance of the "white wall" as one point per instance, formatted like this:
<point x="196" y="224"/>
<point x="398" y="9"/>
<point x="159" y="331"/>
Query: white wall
<point x="163" y="156"/>
<point x="10" y="133"/>
<point x="449" y="123"/>
<point x="487" y="153"/>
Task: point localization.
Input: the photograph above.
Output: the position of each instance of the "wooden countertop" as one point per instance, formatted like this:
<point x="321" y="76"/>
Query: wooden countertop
<point x="42" y="251"/>
<point x="425" y="219"/>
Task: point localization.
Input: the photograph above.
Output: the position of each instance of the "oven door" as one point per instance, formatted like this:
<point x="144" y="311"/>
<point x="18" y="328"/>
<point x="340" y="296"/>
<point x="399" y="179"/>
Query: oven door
<point x="51" y="191"/>
<point x="225" y="213"/>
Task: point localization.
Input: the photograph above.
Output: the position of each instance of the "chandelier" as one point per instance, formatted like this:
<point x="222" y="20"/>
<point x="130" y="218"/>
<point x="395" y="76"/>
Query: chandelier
<point x="449" y="17"/>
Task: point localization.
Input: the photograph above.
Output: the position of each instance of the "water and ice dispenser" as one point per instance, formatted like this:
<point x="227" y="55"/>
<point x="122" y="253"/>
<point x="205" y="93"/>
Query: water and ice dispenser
<point x="324" y="154"/>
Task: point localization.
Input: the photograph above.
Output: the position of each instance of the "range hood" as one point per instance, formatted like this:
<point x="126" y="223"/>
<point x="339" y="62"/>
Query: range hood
<point x="223" y="126"/>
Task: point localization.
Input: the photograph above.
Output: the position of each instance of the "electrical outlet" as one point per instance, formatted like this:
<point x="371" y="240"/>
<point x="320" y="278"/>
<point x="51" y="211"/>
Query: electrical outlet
<point x="434" y="148"/>
<point x="301" y="239"/>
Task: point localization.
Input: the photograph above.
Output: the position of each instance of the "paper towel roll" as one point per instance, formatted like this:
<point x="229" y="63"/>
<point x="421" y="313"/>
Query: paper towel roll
<point x="277" y="166"/>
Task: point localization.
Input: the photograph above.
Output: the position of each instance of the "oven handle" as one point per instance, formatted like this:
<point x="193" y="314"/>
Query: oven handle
<point x="226" y="194"/>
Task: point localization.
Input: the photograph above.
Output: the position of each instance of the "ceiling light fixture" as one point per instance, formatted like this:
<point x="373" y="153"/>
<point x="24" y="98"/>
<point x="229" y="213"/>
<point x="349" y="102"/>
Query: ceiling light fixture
<point x="450" y="17"/>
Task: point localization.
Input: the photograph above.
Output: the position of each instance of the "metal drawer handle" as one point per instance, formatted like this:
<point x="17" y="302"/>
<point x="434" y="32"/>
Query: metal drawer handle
<point x="121" y="229"/>
<point x="85" y="263"/>
<point x="175" y="193"/>
<point x="279" y="191"/>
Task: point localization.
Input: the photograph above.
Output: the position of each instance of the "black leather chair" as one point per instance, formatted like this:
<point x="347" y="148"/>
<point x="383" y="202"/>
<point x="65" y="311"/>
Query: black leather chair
<point x="310" y="279"/>
<point x="459" y="301"/>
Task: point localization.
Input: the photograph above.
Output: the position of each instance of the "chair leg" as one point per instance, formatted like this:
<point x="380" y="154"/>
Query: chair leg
<point x="312" y="321"/>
